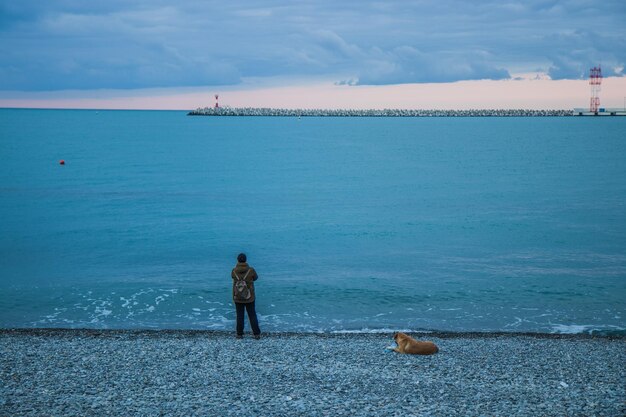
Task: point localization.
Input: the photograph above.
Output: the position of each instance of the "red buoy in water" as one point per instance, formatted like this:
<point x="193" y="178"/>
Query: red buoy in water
<point x="62" y="162"/>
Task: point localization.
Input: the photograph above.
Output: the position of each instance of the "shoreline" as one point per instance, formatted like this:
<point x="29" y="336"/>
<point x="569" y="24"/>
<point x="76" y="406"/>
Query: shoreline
<point x="61" y="331"/>
<point x="196" y="372"/>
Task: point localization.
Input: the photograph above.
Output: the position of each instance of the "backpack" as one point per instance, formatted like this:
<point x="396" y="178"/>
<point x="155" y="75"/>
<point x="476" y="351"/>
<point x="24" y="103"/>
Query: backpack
<point x="242" y="292"/>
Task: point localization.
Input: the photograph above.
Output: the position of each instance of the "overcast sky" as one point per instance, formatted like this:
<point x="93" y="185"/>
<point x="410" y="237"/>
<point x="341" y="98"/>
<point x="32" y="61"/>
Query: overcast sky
<point x="136" y="44"/>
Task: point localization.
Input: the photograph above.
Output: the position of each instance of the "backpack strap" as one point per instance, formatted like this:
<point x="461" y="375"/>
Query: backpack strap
<point x="244" y="277"/>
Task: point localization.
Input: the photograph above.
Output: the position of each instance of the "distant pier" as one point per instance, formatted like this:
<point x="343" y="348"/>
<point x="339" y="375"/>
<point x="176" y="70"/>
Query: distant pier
<point x="251" y="111"/>
<point x="601" y="112"/>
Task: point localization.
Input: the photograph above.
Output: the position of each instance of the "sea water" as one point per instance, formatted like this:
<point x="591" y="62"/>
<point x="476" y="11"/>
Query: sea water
<point x="353" y="224"/>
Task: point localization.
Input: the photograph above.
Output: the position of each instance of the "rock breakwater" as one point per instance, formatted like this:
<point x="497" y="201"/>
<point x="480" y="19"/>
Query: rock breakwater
<point x="253" y="111"/>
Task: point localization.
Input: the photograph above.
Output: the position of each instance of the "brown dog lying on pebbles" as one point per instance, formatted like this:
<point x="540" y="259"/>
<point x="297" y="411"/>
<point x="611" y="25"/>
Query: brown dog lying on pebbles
<point x="406" y="344"/>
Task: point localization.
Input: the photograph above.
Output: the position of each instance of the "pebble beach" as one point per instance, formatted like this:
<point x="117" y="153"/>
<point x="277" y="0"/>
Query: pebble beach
<point x="177" y="372"/>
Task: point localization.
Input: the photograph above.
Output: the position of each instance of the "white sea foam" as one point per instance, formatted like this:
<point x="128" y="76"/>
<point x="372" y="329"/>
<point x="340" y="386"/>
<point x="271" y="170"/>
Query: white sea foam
<point x="582" y="328"/>
<point x="571" y="328"/>
<point x="378" y="331"/>
<point x="516" y="323"/>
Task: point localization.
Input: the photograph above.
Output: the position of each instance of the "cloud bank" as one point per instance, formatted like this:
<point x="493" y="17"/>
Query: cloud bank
<point x="73" y="44"/>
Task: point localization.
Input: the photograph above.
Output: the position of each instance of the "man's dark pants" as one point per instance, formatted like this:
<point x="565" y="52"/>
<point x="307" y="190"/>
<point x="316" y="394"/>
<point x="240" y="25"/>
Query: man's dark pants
<point x="254" y="323"/>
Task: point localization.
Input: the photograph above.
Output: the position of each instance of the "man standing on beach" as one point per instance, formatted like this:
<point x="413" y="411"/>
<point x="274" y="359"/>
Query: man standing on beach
<point x="243" y="295"/>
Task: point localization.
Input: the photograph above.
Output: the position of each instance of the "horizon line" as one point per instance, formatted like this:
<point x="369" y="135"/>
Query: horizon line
<point x="292" y="108"/>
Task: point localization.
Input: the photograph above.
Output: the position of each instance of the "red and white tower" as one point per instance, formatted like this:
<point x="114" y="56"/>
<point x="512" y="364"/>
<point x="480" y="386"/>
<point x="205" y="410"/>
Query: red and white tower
<point x="216" y="104"/>
<point x="595" y="80"/>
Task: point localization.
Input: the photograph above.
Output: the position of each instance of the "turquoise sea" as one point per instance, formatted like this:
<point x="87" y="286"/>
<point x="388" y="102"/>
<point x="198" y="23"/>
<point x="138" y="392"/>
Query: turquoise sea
<point x="462" y="224"/>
